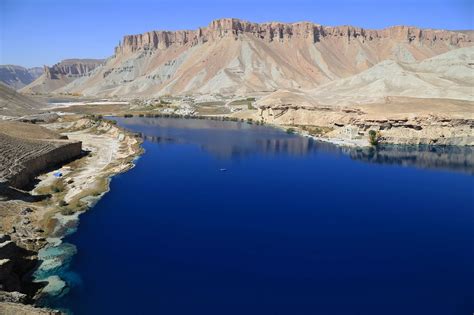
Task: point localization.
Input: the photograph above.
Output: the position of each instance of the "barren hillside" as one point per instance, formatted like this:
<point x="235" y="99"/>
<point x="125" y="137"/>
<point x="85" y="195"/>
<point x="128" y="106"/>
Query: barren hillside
<point x="446" y="76"/>
<point x="232" y="56"/>
<point x="13" y="103"/>
<point x="61" y="74"/>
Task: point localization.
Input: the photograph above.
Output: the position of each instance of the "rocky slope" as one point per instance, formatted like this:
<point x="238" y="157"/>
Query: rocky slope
<point x="61" y="74"/>
<point x="232" y="56"/>
<point x="449" y="75"/>
<point x="446" y="76"/>
<point x="13" y="103"/>
<point x="17" y="77"/>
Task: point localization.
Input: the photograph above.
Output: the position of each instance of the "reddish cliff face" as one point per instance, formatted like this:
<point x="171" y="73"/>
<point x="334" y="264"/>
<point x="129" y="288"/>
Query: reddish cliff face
<point x="286" y="32"/>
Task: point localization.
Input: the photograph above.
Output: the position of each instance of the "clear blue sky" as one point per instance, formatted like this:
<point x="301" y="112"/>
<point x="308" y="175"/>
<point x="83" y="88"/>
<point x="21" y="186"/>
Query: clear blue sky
<point x="39" y="32"/>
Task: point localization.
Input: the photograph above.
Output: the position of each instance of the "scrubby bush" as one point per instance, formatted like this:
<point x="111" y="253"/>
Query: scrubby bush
<point x="374" y="137"/>
<point x="56" y="189"/>
<point x="290" y="131"/>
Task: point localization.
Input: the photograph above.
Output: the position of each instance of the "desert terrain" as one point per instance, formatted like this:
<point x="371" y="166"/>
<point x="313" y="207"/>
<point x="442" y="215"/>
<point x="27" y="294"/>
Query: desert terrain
<point x="405" y="85"/>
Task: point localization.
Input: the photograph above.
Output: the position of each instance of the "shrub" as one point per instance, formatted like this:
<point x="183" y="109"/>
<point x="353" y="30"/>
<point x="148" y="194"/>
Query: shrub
<point x="374" y="137"/>
<point x="57" y="189"/>
<point x="290" y="131"/>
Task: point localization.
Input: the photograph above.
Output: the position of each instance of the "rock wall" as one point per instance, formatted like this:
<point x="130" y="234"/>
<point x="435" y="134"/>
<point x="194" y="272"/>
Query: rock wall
<point x="275" y="31"/>
<point x="15" y="263"/>
<point x="34" y="166"/>
<point x="411" y="130"/>
<point x="72" y="68"/>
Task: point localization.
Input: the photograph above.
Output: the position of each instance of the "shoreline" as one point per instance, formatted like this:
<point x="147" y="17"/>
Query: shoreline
<point x="111" y="150"/>
<point x="55" y="254"/>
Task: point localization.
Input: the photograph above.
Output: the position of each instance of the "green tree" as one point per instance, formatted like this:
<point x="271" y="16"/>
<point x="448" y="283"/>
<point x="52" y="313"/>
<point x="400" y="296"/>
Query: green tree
<point x="374" y="137"/>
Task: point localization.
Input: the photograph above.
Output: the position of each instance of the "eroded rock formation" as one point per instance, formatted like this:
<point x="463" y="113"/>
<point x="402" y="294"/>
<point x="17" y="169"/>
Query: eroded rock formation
<point x="71" y="68"/>
<point x="284" y="32"/>
<point x="231" y="56"/>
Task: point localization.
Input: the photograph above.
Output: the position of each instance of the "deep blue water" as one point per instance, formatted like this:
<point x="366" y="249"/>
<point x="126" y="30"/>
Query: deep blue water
<point x="292" y="226"/>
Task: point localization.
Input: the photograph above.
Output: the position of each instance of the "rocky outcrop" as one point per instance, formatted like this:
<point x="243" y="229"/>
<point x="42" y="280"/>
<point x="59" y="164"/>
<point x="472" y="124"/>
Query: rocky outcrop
<point x="15" y="264"/>
<point x="61" y="74"/>
<point x="72" y="68"/>
<point x="7" y="308"/>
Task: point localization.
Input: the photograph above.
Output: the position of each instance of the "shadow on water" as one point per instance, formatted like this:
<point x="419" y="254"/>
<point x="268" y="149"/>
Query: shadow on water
<point x="232" y="143"/>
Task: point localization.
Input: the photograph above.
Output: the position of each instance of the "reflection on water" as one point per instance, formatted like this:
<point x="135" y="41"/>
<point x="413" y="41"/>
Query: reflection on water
<point x="436" y="157"/>
<point x="228" y="141"/>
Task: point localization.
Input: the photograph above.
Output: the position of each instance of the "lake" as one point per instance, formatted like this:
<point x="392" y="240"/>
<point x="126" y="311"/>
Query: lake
<point x="231" y="218"/>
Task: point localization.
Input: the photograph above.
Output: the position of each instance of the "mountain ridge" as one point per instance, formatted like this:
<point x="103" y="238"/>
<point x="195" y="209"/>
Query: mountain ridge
<point x="232" y="56"/>
<point x="16" y="77"/>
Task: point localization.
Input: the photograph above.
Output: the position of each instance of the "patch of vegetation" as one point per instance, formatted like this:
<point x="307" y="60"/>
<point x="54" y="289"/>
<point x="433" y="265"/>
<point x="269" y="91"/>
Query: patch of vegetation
<point x="248" y="101"/>
<point x="211" y="103"/>
<point x="57" y="188"/>
<point x="374" y="137"/>
<point x="316" y="130"/>
<point x="290" y="131"/>
<point x="63" y="203"/>
<point x="128" y="115"/>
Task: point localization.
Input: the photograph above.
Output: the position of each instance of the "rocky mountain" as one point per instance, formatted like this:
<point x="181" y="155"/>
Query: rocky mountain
<point x="232" y="56"/>
<point x="17" y="77"/>
<point x="62" y="74"/>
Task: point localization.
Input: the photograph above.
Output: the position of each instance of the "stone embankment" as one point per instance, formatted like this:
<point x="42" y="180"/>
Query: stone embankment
<point x="23" y="158"/>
